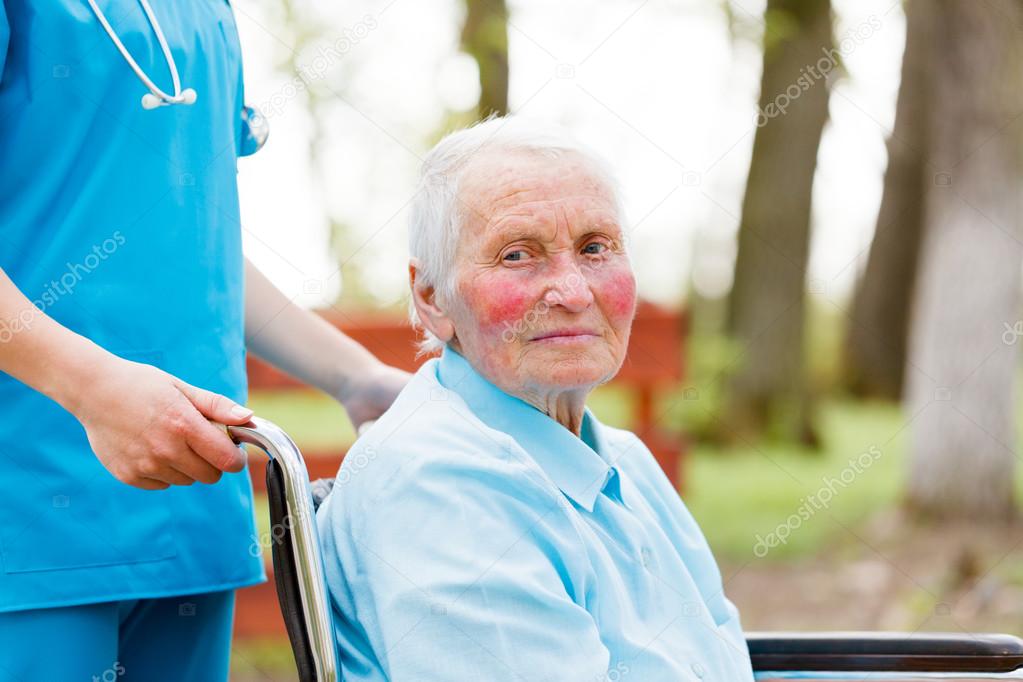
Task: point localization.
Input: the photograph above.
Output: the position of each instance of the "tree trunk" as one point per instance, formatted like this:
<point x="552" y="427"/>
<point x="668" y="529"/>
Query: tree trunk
<point x="875" y="348"/>
<point x="963" y="345"/>
<point x="485" y="37"/>
<point x="768" y="394"/>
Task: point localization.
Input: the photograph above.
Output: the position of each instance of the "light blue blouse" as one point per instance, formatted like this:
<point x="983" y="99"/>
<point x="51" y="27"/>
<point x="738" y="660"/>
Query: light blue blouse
<point x="471" y="537"/>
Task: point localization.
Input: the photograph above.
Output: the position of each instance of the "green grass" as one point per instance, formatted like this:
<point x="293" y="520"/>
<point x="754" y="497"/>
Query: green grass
<point x="313" y="419"/>
<point x="736" y="493"/>
<point x="265" y="660"/>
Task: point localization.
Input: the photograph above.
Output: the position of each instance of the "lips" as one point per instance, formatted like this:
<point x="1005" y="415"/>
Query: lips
<point x="565" y="334"/>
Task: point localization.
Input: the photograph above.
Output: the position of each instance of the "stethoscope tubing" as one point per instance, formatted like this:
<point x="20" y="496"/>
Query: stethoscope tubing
<point x="178" y="97"/>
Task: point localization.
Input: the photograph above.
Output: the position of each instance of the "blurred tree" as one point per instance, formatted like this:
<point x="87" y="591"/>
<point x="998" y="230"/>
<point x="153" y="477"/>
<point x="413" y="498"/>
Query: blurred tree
<point x="768" y="394"/>
<point x="875" y="345"/>
<point x="300" y="28"/>
<point x="963" y="339"/>
<point x="485" y="38"/>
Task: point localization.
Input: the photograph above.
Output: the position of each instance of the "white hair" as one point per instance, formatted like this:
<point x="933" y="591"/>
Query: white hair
<point x="435" y="215"/>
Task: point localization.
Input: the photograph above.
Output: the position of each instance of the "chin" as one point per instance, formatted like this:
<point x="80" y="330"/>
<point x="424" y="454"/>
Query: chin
<point x="568" y="374"/>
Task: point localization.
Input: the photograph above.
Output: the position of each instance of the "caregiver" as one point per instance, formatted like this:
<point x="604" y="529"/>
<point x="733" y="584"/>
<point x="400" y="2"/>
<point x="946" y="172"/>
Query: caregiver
<point x="125" y="309"/>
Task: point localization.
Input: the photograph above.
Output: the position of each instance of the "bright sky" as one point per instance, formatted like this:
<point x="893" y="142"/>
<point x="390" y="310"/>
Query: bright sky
<point x="658" y="87"/>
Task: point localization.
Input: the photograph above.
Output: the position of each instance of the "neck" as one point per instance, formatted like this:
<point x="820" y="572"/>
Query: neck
<point x="565" y="407"/>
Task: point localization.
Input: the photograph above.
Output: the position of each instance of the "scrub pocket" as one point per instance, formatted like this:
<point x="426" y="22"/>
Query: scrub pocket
<point x="60" y="508"/>
<point x="96" y="525"/>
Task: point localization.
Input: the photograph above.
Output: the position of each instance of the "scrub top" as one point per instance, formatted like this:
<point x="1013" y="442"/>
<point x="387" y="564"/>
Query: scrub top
<point x="123" y="225"/>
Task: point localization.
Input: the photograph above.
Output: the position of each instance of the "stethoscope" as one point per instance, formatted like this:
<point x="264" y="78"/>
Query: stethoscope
<point x="258" y="129"/>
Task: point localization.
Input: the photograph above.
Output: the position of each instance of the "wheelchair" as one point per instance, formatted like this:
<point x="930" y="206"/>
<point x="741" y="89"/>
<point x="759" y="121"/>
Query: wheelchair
<point x="302" y="593"/>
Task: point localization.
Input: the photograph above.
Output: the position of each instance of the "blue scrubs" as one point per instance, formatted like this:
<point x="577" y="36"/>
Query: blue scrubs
<point x="123" y="225"/>
<point x="138" y="640"/>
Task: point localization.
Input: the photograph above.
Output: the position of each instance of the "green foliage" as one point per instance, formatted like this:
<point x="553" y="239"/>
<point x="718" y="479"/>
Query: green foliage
<point x="826" y="324"/>
<point x="779" y="27"/>
<point x="695" y="408"/>
<point x="613" y="405"/>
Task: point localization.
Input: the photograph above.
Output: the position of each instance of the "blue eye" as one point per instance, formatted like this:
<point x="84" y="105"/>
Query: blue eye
<point x="595" y="248"/>
<point x="515" y="255"/>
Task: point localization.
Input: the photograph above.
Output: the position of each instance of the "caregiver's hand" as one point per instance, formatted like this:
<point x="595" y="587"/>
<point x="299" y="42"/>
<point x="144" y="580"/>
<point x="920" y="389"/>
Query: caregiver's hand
<point x="147" y="427"/>
<point x="313" y="351"/>
<point x="367" y="395"/>
<point x="151" y="430"/>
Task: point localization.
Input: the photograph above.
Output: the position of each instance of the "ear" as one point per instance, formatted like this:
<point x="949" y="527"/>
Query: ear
<point x="424" y="297"/>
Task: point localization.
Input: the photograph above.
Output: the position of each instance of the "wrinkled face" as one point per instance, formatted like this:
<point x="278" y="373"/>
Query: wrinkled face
<point x="545" y="294"/>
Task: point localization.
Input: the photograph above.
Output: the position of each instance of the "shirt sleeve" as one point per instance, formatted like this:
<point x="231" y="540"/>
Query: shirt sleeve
<point x="247" y="120"/>
<point x="464" y="574"/>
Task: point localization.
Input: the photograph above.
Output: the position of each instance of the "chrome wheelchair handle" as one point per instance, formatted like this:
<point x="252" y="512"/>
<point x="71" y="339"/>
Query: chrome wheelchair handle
<point x="270" y="438"/>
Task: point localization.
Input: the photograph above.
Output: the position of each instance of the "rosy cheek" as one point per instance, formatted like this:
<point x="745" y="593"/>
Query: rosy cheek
<point x="617" y="290"/>
<point x="501" y="302"/>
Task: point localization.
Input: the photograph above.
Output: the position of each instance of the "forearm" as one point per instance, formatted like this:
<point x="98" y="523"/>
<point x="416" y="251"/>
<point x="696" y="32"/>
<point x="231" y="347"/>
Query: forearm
<point x="298" y="341"/>
<point x="40" y="352"/>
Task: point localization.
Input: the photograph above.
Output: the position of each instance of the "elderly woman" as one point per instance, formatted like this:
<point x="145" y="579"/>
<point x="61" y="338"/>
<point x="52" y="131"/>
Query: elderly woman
<point x="488" y="526"/>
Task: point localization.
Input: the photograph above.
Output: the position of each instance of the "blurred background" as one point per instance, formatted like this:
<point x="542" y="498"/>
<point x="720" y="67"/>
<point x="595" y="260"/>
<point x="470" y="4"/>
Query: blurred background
<point x="824" y="216"/>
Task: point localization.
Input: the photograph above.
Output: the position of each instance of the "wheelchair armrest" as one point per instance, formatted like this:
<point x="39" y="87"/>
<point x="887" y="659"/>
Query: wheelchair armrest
<point x="884" y="652"/>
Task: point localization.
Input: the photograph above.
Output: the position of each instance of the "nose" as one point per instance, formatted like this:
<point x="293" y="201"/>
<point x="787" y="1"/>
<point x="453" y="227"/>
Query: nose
<point x="570" y="289"/>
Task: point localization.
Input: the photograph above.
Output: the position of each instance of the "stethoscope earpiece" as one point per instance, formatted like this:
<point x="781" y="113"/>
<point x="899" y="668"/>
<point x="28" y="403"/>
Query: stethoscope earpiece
<point x="150" y="101"/>
<point x="155" y="97"/>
